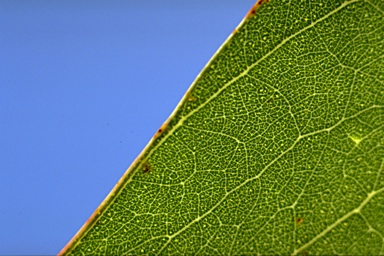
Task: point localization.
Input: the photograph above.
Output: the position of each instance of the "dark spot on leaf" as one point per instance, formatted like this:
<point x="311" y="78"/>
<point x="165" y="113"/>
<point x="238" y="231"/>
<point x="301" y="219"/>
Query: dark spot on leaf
<point x="252" y="11"/>
<point x="147" y="168"/>
<point x="262" y="1"/>
<point x="161" y="130"/>
<point x="299" y="221"/>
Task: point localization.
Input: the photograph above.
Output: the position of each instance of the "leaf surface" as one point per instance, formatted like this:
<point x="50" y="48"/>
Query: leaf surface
<point x="277" y="147"/>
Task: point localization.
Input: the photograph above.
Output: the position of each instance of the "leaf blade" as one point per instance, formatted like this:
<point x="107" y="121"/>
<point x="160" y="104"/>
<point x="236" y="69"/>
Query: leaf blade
<point x="266" y="152"/>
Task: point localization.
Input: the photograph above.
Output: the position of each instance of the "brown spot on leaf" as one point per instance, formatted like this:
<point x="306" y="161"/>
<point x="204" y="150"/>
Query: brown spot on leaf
<point x="251" y="12"/>
<point x="299" y="221"/>
<point x="147" y="168"/>
<point x="254" y="8"/>
<point x="160" y="130"/>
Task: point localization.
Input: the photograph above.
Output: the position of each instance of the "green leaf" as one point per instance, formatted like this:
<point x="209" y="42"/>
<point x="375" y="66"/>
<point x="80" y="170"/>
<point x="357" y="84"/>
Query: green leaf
<point x="277" y="148"/>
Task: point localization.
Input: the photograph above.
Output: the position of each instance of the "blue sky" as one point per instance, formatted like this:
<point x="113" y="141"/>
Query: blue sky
<point x="83" y="87"/>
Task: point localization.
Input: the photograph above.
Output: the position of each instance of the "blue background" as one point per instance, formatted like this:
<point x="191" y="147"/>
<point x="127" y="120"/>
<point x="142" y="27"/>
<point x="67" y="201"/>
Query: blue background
<point x="83" y="87"/>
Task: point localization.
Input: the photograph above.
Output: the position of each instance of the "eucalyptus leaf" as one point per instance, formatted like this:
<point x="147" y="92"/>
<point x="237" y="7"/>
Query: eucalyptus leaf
<point x="276" y="148"/>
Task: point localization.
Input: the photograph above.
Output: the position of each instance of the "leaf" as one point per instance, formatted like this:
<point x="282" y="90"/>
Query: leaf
<point x="277" y="148"/>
